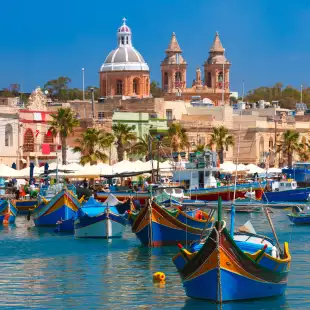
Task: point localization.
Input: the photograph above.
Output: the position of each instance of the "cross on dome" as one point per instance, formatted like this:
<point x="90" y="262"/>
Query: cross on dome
<point x="124" y="21"/>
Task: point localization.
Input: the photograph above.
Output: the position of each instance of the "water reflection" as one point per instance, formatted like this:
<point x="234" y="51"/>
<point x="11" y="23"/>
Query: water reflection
<point x="44" y="270"/>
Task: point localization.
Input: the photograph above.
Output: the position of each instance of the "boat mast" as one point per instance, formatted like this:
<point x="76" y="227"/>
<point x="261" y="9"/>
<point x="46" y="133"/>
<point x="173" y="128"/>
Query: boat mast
<point x="232" y="215"/>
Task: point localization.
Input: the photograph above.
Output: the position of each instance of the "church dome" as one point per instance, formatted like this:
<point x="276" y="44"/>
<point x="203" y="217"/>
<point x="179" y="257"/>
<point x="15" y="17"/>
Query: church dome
<point x="125" y="57"/>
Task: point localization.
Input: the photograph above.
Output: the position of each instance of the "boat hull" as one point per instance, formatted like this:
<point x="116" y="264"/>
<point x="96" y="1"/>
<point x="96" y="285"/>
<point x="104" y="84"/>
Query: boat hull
<point x="299" y="219"/>
<point x="62" y="207"/>
<point x="296" y="195"/>
<point x="234" y="287"/>
<point x="154" y="226"/>
<point x="24" y="205"/>
<point x="8" y="212"/>
<point x="210" y="194"/>
<point x="65" y="226"/>
<point x="226" y="192"/>
<point x="221" y="272"/>
<point x="101" y="226"/>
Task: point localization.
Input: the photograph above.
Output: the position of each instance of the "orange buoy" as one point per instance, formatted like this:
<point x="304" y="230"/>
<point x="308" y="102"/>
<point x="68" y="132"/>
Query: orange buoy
<point x="159" y="277"/>
<point x="198" y="215"/>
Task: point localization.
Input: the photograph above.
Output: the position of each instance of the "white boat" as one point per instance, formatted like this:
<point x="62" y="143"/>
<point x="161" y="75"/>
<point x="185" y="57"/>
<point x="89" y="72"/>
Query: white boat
<point x="100" y="220"/>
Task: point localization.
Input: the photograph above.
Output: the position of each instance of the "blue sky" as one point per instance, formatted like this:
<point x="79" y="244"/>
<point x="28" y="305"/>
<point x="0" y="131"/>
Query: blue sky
<point x="266" y="41"/>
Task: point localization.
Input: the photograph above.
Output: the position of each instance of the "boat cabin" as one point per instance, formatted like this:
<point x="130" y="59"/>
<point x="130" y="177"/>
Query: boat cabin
<point x="284" y="185"/>
<point x="196" y="178"/>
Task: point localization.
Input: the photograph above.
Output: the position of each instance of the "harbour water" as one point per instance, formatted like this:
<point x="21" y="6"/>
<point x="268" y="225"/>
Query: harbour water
<point x="40" y="269"/>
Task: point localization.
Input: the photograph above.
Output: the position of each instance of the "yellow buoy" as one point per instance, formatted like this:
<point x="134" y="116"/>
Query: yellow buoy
<point x="159" y="277"/>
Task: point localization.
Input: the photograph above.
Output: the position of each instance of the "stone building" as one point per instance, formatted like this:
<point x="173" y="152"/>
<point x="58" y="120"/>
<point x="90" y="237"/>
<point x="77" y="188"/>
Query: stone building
<point x="214" y="86"/>
<point x="25" y="131"/>
<point x="124" y="72"/>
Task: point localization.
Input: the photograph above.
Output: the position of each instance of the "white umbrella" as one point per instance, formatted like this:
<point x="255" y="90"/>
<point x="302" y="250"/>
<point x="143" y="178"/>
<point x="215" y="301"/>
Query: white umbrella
<point x="8" y="172"/>
<point x="26" y="172"/>
<point x="255" y="169"/>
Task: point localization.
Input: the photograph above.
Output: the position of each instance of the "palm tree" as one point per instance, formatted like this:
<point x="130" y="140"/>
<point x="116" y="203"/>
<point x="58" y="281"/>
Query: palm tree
<point x="141" y="147"/>
<point x="221" y="139"/>
<point x="124" y="136"/>
<point x="178" y="137"/>
<point x="200" y="148"/>
<point x="63" y="123"/>
<point x="92" y="146"/>
<point x="290" y="144"/>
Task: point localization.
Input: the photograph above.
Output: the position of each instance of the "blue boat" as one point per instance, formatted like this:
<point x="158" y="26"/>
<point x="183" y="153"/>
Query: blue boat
<point x="300" y="172"/>
<point x="156" y="226"/>
<point x="298" y="216"/>
<point x="221" y="271"/>
<point x="8" y="212"/>
<point x="55" y="207"/>
<point x="287" y="190"/>
<point x="100" y="220"/>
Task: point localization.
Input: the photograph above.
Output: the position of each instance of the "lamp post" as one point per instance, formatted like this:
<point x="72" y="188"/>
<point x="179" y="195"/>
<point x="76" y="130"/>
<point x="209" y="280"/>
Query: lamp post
<point x="83" y="84"/>
<point x="92" y="102"/>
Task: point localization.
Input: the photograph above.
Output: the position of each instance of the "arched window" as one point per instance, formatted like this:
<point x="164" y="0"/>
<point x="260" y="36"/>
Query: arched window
<point x="165" y="81"/>
<point x="220" y="77"/>
<point x="28" y="141"/>
<point x="178" y="76"/>
<point x="135" y="86"/>
<point x="8" y="140"/>
<point x="123" y="40"/>
<point x="119" y="87"/>
<point x="209" y="80"/>
<point x="147" y="86"/>
<point x="127" y="40"/>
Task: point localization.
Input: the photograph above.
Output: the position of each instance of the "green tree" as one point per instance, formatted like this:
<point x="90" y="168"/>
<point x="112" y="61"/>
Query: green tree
<point x="221" y="139"/>
<point x="58" y="88"/>
<point x="124" y="137"/>
<point x="155" y="89"/>
<point x="289" y="145"/>
<point x="92" y="146"/>
<point x="178" y="137"/>
<point x="63" y="124"/>
<point x="200" y="148"/>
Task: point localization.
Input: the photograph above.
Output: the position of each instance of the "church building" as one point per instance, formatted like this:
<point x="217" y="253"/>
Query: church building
<point x="124" y="73"/>
<point x="214" y="86"/>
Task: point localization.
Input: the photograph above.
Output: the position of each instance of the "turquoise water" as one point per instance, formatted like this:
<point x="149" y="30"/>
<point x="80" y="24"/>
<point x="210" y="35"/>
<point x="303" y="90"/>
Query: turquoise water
<point x="42" y="270"/>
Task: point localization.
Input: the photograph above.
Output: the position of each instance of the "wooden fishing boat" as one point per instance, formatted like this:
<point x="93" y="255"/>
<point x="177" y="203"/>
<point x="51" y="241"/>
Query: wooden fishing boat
<point x="100" y="220"/>
<point x="287" y="190"/>
<point x="221" y="271"/>
<point x="24" y="205"/>
<point x="62" y="206"/>
<point x="8" y="212"/>
<point x="156" y="226"/>
<point x="298" y="216"/>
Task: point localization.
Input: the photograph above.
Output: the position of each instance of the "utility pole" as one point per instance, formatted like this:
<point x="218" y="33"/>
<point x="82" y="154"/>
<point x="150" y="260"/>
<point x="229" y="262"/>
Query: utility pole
<point x="83" y="84"/>
<point x="275" y="141"/>
<point x="150" y="154"/>
<point x="242" y="90"/>
<point x="93" y="102"/>
<point x="158" y="141"/>
<point x="18" y="143"/>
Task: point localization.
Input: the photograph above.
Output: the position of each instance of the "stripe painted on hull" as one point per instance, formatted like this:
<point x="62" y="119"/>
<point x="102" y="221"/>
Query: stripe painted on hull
<point x="106" y="229"/>
<point x="160" y="235"/>
<point x="234" y="287"/>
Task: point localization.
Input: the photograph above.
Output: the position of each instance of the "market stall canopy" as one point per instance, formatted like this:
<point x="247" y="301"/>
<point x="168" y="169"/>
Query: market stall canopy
<point x="229" y="167"/>
<point x="255" y="169"/>
<point x="25" y="173"/>
<point x="8" y="172"/>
